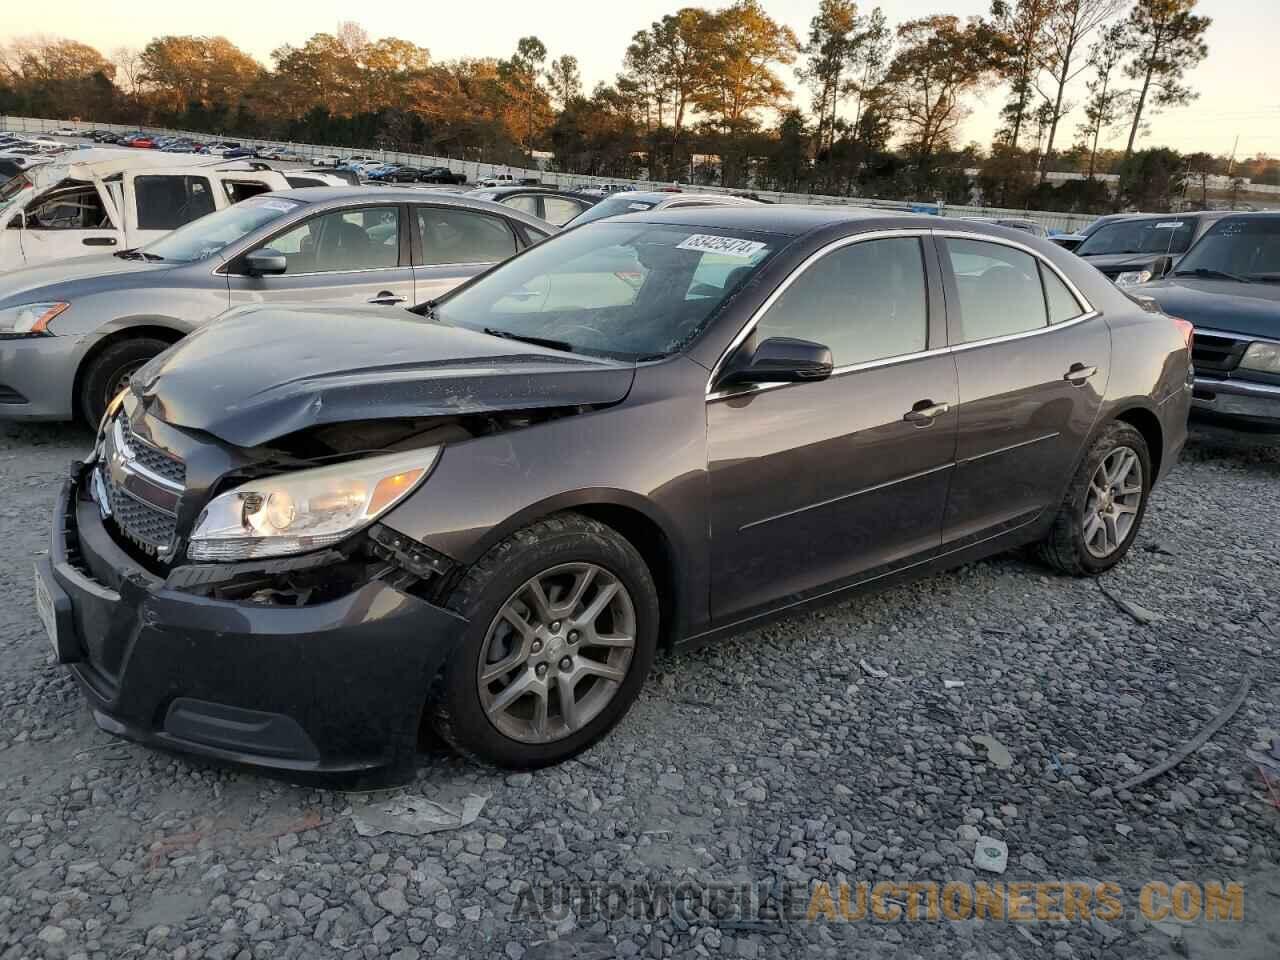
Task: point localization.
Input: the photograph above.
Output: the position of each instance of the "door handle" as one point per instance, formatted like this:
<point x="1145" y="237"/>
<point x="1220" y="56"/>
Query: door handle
<point x="925" y="412"/>
<point x="1078" y="374"/>
<point x="99" y="241"/>
<point x="387" y="299"/>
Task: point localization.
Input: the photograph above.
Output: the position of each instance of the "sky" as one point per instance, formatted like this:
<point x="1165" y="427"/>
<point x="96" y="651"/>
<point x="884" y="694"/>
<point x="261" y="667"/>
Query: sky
<point x="1239" y="95"/>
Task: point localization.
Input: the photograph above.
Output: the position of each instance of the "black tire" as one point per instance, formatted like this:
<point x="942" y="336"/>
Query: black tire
<point x="104" y="376"/>
<point x="456" y="710"/>
<point x="1064" y="547"/>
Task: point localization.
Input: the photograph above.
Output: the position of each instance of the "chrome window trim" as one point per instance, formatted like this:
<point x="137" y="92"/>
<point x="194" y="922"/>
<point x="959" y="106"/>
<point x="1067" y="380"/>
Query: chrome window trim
<point x="749" y="327"/>
<point x="1081" y="300"/>
<point x="322" y="273"/>
<point x="307" y="209"/>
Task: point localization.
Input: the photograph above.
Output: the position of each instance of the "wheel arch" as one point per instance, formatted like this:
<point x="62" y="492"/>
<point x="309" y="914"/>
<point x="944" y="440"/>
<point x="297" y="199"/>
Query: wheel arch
<point x="1148" y="424"/>
<point x="637" y="520"/>
<point x="135" y="331"/>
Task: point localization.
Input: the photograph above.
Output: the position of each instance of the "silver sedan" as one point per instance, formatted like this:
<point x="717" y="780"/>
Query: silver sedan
<point x="72" y="334"/>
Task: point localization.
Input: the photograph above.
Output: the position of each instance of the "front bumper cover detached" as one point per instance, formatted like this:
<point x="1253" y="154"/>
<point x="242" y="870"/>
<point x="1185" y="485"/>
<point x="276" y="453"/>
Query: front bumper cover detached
<point x="328" y="688"/>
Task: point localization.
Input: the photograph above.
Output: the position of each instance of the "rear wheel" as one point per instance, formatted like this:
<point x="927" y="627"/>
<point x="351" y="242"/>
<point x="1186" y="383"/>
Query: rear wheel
<point x="1103" y="508"/>
<point x="563" y="628"/>
<point x="108" y="373"/>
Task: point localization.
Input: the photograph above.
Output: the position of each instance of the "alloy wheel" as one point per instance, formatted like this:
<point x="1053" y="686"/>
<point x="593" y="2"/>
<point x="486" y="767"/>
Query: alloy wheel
<point x="1114" y="498"/>
<point x="557" y="653"/>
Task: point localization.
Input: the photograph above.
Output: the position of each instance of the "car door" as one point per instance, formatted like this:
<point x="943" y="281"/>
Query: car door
<point x="819" y="484"/>
<point x="452" y="244"/>
<point x="356" y="254"/>
<point x="1030" y="389"/>
<point x="70" y="221"/>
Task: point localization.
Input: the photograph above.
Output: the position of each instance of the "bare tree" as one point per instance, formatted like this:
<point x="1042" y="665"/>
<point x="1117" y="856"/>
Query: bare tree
<point x="1106" y="100"/>
<point x="1065" y="31"/>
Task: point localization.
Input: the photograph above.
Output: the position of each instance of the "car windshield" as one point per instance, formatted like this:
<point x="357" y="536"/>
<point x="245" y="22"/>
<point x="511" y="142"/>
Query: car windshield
<point x="612" y="207"/>
<point x="1246" y="247"/>
<point x="1140" y="236"/>
<point x="624" y="290"/>
<point x="210" y="234"/>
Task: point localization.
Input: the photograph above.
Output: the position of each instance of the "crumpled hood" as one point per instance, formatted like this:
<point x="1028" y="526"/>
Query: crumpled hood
<point x="263" y="372"/>
<point x="1252" y="309"/>
<point x="59" y="278"/>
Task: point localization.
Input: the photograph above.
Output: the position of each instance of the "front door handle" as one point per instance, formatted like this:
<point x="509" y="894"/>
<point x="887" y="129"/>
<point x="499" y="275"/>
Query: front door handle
<point x="1079" y="373"/>
<point x="387" y="299"/>
<point x="923" y="413"/>
<point x="99" y="241"/>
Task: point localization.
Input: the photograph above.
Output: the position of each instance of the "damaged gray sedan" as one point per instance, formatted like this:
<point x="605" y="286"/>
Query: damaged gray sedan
<point x="306" y="532"/>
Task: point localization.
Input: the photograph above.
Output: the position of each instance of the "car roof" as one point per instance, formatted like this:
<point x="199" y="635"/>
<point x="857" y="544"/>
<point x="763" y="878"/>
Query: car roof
<point x="325" y="196"/>
<point x="783" y="219"/>
<point x="531" y="188"/>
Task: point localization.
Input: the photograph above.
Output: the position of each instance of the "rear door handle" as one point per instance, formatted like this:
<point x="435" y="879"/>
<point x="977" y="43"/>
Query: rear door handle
<point x="1079" y="373"/>
<point x="387" y="299"/>
<point x="99" y="241"/>
<point x="925" y="412"/>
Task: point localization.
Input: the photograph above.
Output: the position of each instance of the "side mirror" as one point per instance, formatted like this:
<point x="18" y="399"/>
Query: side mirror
<point x="1162" y="266"/>
<point x="783" y="360"/>
<point x="265" y="262"/>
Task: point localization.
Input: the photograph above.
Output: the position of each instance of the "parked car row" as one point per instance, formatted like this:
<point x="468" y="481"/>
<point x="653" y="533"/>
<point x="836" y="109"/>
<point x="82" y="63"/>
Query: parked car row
<point x="312" y="524"/>
<point x="1219" y="270"/>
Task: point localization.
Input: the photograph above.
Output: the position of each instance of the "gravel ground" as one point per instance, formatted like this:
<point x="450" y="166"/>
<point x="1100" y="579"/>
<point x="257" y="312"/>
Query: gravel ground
<point x="775" y="759"/>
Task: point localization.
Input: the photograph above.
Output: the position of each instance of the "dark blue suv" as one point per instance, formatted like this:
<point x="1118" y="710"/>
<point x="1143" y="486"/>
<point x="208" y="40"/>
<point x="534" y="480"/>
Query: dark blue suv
<point x="1228" y="286"/>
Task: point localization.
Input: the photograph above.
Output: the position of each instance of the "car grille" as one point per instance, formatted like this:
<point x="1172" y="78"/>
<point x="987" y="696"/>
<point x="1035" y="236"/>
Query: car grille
<point x="152" y="526"/>
<point x="1211" y="353"/>
<point x="146" y="526"/>
<point x="158" y="462"/>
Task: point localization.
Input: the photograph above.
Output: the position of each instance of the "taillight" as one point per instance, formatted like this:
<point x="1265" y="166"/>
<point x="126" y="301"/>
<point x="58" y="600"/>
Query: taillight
<point x="1187" y="329"/>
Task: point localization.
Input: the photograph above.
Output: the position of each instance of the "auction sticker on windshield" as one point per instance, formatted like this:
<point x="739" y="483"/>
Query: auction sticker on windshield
<point x="725" y="246"/>
<point x="284" y="206"/>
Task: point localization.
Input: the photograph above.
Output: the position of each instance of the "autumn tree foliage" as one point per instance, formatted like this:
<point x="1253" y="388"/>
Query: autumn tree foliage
<point x="701" y="94"/>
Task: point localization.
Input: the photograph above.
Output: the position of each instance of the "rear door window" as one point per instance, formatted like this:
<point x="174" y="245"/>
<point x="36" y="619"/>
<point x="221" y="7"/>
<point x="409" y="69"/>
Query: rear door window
<point x="166" y="202"/>
<point x="559" y="210"/>
<point x="524" y="202"/>
<point x="1062" y="303"/>
<point x="462" y="236"/>
<point x="999" y="287"/>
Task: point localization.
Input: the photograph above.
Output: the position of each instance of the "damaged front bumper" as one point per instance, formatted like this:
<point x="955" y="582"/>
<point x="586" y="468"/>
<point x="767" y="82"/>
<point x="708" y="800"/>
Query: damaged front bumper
<point x="334" y="687"/>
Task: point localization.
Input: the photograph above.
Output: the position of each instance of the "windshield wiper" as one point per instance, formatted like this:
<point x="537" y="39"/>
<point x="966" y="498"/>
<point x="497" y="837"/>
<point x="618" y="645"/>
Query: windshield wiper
<point x="536" y="341"/>
<point x="1206" y="272"/>
<point x="139" y="255"/>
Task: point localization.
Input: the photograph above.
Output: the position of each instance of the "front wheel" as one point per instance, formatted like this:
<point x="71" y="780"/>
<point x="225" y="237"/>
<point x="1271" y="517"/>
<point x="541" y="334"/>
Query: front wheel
<point x="1103" y="508"/>
<point x="108" y="373"/>
<point x="563" y="628"/>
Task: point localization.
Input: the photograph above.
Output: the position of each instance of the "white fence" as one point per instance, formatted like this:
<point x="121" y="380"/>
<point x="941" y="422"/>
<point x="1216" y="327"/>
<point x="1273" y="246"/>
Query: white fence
<point x="1064" y="222"/>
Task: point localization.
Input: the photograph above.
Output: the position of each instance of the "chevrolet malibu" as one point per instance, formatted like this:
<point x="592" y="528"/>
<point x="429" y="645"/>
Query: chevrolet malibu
<point x="305" y="531"/>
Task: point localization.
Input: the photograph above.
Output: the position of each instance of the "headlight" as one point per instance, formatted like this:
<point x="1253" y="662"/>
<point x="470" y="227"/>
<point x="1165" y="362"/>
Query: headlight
<point x="1132" y="277"/>
<point x="30" y="319"/>
<point x="1262" y="356"/>
<point x="307" y="510"/>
